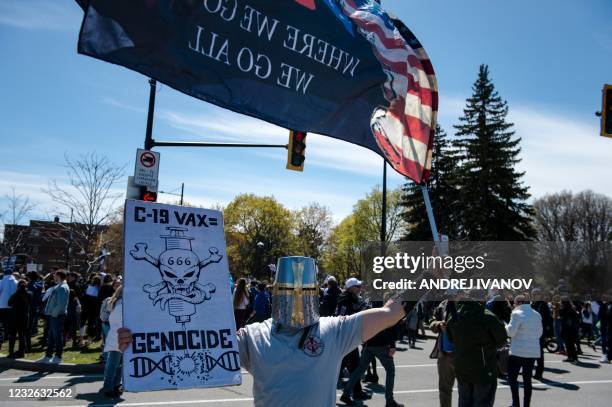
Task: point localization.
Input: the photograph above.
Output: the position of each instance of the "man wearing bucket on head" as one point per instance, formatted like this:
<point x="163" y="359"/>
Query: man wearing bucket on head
<point x="295" y="356"/>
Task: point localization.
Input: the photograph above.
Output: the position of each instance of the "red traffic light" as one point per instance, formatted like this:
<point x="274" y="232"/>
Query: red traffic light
<point x="150" y="196"/>
<point x="296" y="150"/>
<point x="147" y="196"/>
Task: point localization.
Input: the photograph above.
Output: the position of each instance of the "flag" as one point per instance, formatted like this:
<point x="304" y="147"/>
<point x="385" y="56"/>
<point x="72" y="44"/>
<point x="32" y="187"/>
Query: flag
<point x="341" y="68"/>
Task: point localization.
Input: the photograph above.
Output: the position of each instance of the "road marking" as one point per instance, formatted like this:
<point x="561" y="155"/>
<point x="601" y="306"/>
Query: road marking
<point x="245" y="399"/>
<point x="244" y="372"/>
<point x="35" y="378"/>
<point x="434" y="364"/>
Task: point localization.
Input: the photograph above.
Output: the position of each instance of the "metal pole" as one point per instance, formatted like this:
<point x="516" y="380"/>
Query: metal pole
<point x="182" y="191"/>
<point x="207" y="144"/>
<point x="148" y="144"/>
<point x="430" y="214"/>
<point x="383" y="226"/>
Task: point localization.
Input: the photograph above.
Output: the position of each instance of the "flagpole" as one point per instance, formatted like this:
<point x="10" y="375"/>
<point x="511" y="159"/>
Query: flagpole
<point x="383" y="223"/>
<point x="430" y="214"/>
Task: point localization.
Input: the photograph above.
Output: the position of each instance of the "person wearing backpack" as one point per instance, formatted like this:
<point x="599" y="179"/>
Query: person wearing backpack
<point x="476" y="334"/>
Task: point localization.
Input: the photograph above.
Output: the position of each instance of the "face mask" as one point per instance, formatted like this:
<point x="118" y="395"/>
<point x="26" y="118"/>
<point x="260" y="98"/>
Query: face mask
<point x="295" y="294"/>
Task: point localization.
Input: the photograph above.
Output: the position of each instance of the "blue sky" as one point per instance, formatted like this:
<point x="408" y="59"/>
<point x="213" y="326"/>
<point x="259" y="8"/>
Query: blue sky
<point x="548" y="58"/>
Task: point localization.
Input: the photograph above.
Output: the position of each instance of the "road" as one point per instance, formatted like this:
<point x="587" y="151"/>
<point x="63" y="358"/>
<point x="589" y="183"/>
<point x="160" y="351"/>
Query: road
<point x="588" y="384"/>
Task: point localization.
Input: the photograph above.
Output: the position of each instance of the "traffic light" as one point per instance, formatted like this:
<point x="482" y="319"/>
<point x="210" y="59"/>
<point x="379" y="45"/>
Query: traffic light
<point x="296" y="150"/>
<point x="147" y="196"/>
<point x="606" y="112"/>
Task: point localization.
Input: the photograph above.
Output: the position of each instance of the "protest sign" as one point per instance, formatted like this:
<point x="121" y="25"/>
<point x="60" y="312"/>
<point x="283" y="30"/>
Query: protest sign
<point x="177" y="299"/>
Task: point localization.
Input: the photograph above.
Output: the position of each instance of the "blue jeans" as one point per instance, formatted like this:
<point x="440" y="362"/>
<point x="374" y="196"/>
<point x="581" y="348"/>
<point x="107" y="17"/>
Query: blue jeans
<point x="557" y="328"/>
<point x="112" y="371"/>
<point x="55" y="340"/>
<point x="367" y="354"/>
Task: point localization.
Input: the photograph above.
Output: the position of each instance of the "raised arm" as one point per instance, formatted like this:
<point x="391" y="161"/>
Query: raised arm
<point x="377" y="319"/>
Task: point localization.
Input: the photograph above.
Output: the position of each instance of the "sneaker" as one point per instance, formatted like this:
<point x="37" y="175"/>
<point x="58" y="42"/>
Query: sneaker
<point x="346" y="399"/>
<point x="44" y="359"/>
<point x="604" y="360"/>
<point x="362" y="395"/>
<point x="393" y="403"/>
<point x="56" y="360"/>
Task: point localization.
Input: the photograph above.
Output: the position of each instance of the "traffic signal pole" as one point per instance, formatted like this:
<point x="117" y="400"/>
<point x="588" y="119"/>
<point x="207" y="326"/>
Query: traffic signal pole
<point x="150" y="142"/>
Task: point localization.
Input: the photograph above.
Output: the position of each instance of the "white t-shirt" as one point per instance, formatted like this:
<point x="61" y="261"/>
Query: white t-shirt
<point x="284" y="375"/>
<point x="115" y="320"/>
<point x="244" y="303"/>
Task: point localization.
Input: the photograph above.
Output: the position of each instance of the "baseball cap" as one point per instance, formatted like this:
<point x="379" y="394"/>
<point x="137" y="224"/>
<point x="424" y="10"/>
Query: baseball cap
<point x="352" y="282"/>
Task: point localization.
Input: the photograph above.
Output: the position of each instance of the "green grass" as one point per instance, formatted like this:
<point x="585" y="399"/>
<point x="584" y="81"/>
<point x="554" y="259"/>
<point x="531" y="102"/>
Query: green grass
<point x="85" y="355"/>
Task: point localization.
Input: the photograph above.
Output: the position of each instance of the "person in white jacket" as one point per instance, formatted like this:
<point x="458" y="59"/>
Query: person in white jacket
<point x="524" y="329"/>
<point x="112" y="369"/>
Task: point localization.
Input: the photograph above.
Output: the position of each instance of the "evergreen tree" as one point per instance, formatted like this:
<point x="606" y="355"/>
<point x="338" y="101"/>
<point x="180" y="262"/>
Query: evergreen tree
<point x="443" y="193"/>
<point x="493" y="198"/>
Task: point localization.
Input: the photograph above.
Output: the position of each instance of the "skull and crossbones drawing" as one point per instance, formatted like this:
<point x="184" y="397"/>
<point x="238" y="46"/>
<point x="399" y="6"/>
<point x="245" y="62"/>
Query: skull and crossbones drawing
<point x="180" y="269"/>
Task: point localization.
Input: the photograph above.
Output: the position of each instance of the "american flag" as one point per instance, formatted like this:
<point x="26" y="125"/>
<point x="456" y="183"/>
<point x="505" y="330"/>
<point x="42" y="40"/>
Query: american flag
<point x="404" y="130"/>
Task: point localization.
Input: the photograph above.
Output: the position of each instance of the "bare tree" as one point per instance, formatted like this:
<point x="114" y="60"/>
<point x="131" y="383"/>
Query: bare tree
<point x="575" y="230"/>
<point x="19" y="207"/>
<point x="88" y="200"/>
<point x="586" y="216"/>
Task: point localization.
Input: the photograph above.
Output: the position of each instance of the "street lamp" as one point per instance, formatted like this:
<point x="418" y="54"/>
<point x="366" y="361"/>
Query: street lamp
<point x="260" y="246"/>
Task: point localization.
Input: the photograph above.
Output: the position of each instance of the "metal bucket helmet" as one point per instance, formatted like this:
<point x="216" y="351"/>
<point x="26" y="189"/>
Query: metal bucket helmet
<point x="295" y="293"/>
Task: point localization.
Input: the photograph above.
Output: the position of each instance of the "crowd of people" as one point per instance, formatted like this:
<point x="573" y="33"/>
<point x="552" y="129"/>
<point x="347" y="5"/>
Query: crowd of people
<point x="57" y="308"/>
<point x="480" y="337"/>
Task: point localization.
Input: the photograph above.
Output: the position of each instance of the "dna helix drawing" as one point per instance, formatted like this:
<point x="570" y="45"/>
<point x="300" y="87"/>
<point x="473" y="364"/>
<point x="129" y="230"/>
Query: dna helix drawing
<point x="143" y="366"/>
<point x="228" y="361"/>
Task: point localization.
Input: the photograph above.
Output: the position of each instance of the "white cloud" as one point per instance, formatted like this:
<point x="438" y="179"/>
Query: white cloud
<point x="121" y="105"/>
<point x="321" y="151"/>
<point x="559" y="150"/>
<point x="39" y="14"/>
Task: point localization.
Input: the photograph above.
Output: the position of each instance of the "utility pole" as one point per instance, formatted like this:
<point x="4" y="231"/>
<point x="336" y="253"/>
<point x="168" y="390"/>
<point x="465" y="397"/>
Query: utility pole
<point x="182" y="192"/>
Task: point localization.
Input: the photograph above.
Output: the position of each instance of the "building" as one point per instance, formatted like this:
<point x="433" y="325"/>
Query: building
<point x="52" y="244"/>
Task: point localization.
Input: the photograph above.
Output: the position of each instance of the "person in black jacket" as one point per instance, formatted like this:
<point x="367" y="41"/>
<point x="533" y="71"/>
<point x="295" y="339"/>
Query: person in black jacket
<point x="547" y="328"/>
<point x="349" y="303"/>
<point x="20" y="303"/>
<point x="330" y="298"/>
<point x="381" y="347"/>
<point x="569" y="329"/>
